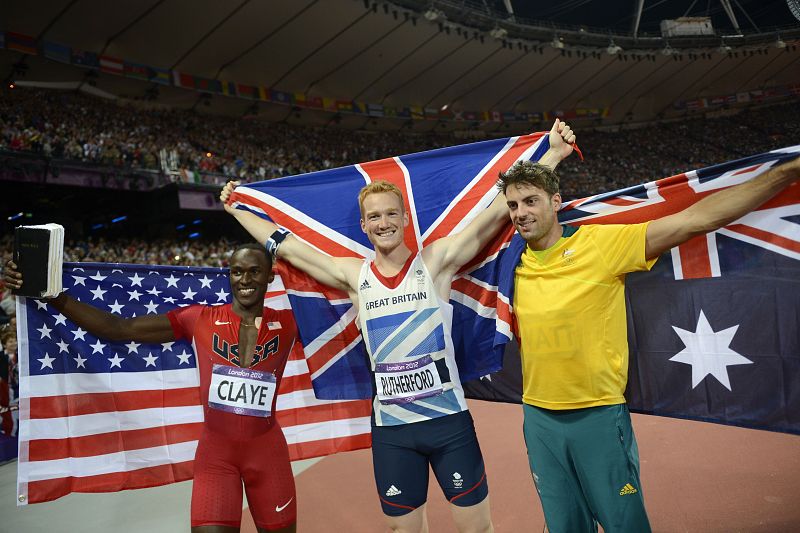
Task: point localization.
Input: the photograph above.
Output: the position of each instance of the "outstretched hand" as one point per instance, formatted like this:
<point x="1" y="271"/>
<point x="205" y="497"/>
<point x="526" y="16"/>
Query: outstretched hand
<point x="225" y="194"/>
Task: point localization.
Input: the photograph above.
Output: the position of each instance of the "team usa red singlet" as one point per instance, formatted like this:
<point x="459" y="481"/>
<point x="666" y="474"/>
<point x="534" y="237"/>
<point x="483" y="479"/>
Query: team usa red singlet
<point x="241" y="439"/>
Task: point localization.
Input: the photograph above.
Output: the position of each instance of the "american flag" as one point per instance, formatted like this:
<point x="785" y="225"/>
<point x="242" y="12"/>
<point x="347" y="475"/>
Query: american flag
<point x="713" y="328"/>
<point x="444" y="190"/>
<point x="100" y="416"/>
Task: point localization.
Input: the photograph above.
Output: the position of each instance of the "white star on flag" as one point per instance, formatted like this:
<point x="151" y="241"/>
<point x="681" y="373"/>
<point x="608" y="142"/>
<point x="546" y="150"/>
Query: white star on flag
<point x="166" y="346"/>
<point x="205" y="282"/>
<point x="150" y="360"/>
<point x="79" y="334"/>
<point x="45" y="331"/>
<point x="47" y="361"/>
<point x="97" y="294"/>
<point x="151" y="307"/>
<point x="115" y="361"/>
<point x="169" y="300"/>
<point x="136" y="280"/>
<point x="189" y="294"/>
<point x="98" y="276"/>
<point x="221" y="295"/>
<point x="154" y="291"/>
<point x="708" y="352"/>
<point x="134" y="295"/>
<point x="62" y="346"/>
<point x="79" y="361"/>
<point x="60" y="319"/>
<point x="172" y="281"/>
<point x="40" y="304"/>
<point x="133" y="347"/>
<point x="97" y="347"/>
<point x="116" y="307"/>
<point x="184" y="357"/>
<point x="79" y="280"/>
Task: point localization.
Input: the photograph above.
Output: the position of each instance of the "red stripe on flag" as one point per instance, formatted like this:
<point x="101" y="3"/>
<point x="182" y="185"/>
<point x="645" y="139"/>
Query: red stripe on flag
<point x="480" y="294"/>
<point x="113" y="442"/>
<point x="389" y="170"/>
<point x="331" y="348"/>
<point x="85" y="404"/>
<point x="287" y="221"/>
<point x="307" y="450"/>
<point x="324" y="413"/>
<point x="746" y="170"/>
<point x="298" y="280"/>
<point x="695" y="261"/>
<point x="154" y="476"/>
<point x="766" y="236"/>
<point x="500" y="241"/>
<point x="622" y="201"/>
<point x="479" y="190"/>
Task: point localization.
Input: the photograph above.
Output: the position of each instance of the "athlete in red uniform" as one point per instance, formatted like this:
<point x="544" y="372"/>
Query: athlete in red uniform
<point x="241" y="351"/>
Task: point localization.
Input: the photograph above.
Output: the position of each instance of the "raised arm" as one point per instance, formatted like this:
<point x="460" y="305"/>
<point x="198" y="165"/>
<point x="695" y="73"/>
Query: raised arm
<point x="337" y="272"/>
<point x="151" y="328"/>
<point x="451" y="253"/>
<point x="718" y="210"/>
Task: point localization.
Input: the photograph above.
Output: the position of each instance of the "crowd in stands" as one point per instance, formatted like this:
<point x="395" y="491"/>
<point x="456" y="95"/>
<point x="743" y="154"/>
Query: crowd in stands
<point x="74" y="126"/>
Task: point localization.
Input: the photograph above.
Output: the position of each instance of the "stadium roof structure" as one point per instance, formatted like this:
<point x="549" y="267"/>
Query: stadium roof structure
<point x="419" y="64"/>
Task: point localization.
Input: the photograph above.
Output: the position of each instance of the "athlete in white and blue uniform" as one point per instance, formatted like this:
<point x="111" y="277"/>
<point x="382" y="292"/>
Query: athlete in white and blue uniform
<point x="420" y="417"/>
<point x="419" y="412"/>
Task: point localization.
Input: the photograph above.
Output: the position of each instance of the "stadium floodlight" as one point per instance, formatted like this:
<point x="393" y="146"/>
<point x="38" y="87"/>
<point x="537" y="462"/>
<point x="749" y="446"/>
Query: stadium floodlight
<point x="433" y="15"/>
<point x="613" y="49"/>
<point x="557" y="42"/>
<point x="498" y="33"/>
<point x="780" y="43"/>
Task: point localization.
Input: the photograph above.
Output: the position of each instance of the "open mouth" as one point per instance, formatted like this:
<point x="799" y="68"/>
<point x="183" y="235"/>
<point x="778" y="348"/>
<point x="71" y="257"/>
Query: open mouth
<point x="246" y="291"/>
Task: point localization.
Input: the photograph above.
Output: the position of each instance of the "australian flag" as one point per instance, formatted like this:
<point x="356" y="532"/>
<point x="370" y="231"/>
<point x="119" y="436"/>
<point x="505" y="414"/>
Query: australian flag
<point x="712" y="329"/>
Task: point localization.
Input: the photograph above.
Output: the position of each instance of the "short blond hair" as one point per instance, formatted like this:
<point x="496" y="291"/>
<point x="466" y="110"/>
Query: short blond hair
<point x="378" y="187"/>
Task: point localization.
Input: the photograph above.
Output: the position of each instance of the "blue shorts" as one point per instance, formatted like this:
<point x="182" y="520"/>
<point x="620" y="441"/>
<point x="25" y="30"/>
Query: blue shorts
<point x="401" y="455"/>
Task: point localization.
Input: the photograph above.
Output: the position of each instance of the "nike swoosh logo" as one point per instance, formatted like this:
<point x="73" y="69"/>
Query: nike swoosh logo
<point x="278" y="509"/>
<point x="218" y="323"/>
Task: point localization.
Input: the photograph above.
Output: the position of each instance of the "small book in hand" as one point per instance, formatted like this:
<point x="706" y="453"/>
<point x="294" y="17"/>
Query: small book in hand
<point x="39" y="255"/>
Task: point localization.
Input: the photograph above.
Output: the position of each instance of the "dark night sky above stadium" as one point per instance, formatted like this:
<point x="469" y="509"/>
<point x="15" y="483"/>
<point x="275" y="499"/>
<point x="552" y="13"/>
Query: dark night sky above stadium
<point x="618" y="15"/>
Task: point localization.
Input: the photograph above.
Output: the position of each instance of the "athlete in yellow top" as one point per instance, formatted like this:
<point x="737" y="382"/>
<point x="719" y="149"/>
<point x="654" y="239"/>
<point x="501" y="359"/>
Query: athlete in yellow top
<point x="570" y="311"/>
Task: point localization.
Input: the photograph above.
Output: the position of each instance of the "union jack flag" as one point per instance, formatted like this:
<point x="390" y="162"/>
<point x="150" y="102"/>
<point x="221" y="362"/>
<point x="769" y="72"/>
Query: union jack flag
<point x="444" y="190"/>
<point x="100" y="416"/>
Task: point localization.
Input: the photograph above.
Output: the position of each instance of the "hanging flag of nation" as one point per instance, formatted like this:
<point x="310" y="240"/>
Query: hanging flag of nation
<point x="712" y="328"/>
<point x="100" y="416"/>
<point x="444" y="189"/>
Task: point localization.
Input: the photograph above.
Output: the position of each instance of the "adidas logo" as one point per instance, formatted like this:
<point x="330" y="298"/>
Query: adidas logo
<point x="627" y="489"/>
<point x="393" y="491"/>
<point x="364" y="285"/>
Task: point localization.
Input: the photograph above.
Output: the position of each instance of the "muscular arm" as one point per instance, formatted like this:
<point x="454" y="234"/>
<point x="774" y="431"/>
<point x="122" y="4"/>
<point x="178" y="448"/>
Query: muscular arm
<point x="718" y="210"/>
<point x="451" y="253"/>
<point x="99" y="323"/>
<point x="339" y="273"/>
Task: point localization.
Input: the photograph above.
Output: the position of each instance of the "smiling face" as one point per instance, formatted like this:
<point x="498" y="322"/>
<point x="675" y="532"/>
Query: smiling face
<point x="250" y="274"/>
<point x="534" y="214"/>
<point x="384" y="220"/>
